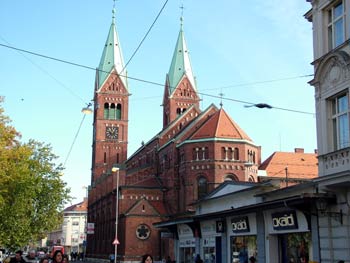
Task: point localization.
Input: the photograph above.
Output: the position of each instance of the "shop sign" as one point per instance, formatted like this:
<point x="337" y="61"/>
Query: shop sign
<point x="284" y="220"/>
<point x="90" y="228"/>
<point x="220" y="226"/>
<point x="184" y="230"/>
<point x="209" y="242"/>
<point x="240" y="224"/>
<point x="190" y="242"/>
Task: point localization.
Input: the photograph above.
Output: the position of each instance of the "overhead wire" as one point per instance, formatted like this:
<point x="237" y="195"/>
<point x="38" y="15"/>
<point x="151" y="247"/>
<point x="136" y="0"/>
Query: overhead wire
<point x="155" y="83"/>
<point x="45" y="71"/>
<point x="143" y="39"/>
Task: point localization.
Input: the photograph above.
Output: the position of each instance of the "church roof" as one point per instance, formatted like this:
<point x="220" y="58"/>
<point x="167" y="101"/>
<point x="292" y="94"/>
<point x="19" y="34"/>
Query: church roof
<point x="180" y="64"/>
<point x="298" y="164"/>
<point x="220" y="125"/>
<point x="112" y="58"/>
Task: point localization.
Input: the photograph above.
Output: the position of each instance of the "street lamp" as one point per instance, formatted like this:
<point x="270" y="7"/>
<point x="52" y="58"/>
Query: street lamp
<point x="116" y="170"/>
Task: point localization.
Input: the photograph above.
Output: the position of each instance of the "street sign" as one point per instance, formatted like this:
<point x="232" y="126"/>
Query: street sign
<point x="116" y="242"/>
<point x="90" y="228"/>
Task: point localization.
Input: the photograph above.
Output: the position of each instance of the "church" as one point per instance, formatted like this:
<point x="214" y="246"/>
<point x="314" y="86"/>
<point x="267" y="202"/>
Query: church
<point x="195" y="151"/>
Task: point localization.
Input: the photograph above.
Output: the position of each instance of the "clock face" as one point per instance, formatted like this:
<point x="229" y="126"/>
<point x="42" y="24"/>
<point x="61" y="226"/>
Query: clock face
<point x="112" y="133"/>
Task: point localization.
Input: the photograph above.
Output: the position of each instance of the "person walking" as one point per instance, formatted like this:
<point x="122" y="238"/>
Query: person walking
<point x="147" y="258"/>
<point x="18" y="257"/>
<point x="57" y="257"/>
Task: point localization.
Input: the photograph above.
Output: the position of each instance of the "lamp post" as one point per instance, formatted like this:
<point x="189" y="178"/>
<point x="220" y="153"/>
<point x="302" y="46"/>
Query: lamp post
<point x="116" y="170"/>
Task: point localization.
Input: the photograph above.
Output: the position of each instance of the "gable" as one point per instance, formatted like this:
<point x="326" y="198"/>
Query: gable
<point x="220" y="125"/>
<point x="146" y="208"/>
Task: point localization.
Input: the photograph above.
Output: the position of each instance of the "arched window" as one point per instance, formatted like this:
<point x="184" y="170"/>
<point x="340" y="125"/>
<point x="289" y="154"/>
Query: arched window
<point x="236" y="154"/>
<point x="112" y="112"/>
<point x="251" y="179"/>
<point x="223" y="153"/>
<point x="230" y="177"/>
<point x="105" y="111"/>
<point x="230" y="153"/>
<point x="119" y="112"/>
<point x="202" y="187"/>
<point x="178" y="111"/>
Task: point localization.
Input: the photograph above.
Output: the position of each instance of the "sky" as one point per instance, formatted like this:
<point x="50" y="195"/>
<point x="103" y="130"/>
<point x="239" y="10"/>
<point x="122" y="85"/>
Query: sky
<point x="249" y="51"/>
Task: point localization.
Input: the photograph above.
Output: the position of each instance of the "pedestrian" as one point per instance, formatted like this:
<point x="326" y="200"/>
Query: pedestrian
<point x="168" y="260"/>
<point x="44" y="260"/>
<point x="147" y="258"/>
<point x="31" y="257"/>
<point x="341" y="261"/>
<point x="198" y="259"/>
<point x="18" y="257"/>
<point x="57" y="257"/>
<point x="252" y="259"/>
<point x="65" y="258"/>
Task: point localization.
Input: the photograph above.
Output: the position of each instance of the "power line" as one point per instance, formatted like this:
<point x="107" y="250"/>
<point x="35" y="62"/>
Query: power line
<point x="143" y="39"/>
<point x="46" y="72"/>
<point x="149" y="82"/>
<point x="74" y="140"/>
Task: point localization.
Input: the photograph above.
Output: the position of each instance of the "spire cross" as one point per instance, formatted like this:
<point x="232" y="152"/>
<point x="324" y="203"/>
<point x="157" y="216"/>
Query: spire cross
<point x="182" y="14"/>
<point x="221" y="95"/>
<point x="113" y="11"/>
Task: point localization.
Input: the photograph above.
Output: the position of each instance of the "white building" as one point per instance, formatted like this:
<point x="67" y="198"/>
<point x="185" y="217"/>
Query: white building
<point x="71" y="234"/>
<point x="331" y="32"/>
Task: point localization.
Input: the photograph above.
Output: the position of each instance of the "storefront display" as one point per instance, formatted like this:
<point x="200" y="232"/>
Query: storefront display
<point x="186" y="244"/>
<point x="243" y="243"/>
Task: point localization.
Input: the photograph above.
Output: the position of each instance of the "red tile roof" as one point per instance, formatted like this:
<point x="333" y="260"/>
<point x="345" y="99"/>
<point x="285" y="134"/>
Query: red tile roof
<point x="82" y="206"/>
<point x="298" y="164"/>
<point x="220" y="125"/>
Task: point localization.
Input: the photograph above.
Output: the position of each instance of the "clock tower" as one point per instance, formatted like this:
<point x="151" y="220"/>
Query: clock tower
<point x="109" y="146"/>
<point x="111" y="101"/>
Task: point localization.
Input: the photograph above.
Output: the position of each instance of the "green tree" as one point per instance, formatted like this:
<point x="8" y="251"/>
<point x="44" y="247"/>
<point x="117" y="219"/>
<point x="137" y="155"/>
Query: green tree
<point x="32" y="193"/>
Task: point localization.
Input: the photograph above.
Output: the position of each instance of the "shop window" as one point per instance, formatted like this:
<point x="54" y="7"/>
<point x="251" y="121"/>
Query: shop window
<point x="340" y="121"/>
<point x="243" y="248"/>
<point x="336" y="25"/>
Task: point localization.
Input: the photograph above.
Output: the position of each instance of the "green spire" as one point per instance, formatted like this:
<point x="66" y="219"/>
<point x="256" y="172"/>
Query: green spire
<point x="112" y="57"/>
<point x="181" y="63"/>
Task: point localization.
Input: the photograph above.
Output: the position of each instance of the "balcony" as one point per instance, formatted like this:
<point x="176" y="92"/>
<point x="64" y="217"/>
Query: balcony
<point x="334" y="162"/>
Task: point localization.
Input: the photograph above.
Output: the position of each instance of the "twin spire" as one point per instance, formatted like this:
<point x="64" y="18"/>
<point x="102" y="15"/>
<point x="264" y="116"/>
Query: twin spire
<point x="112" y="59"/>
<point x="181" y="63"/>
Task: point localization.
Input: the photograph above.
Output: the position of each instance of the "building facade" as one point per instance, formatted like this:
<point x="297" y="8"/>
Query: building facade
<point x="71" y="234"/>
<point x="331" y="20"/>
<point x="195" y="151"/>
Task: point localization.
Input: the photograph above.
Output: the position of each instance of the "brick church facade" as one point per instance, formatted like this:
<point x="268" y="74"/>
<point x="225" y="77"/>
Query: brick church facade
<point x="196" y="150"/>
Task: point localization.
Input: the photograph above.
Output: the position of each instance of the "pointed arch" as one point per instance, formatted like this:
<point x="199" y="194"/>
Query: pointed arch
<point x="112" y="111"/>
<point x="119" y="112"/>
<point x="105" y="110"/>
<point x="202" y="186"/>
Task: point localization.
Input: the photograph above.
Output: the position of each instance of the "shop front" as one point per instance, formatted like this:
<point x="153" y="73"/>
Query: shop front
<point x="243" y="240"/>
<point x="211" y="241"/>
<point x="289" y="237"/>
<point x="187" y="243"/>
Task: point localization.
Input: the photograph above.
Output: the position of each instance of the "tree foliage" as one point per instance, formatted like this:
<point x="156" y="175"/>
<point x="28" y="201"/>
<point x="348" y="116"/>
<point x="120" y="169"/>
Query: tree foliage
<point x="32" y="193"/>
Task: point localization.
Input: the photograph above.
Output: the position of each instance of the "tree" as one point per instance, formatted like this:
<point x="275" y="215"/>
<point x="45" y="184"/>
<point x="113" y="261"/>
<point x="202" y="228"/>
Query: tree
<point x="32" y="193"/>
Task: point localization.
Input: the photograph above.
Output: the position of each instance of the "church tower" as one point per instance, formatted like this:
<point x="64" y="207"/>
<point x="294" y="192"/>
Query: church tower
<point x="180" y="87"/>
<point x="109" y="147"/>
<point x="111" y="98"/>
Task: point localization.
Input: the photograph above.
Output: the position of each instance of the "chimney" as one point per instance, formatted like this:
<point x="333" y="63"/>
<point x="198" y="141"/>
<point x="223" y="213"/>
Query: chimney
<point x="299" y="150"/>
